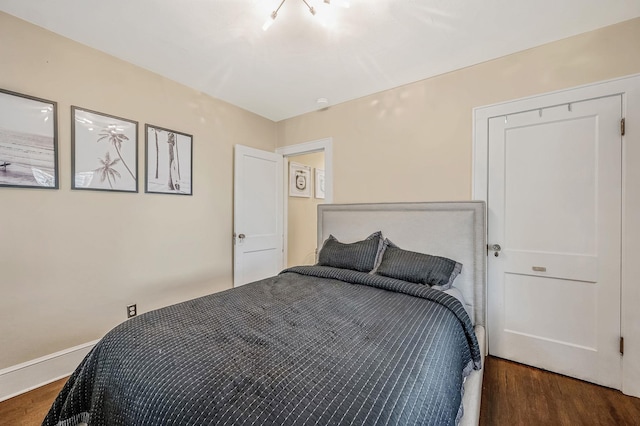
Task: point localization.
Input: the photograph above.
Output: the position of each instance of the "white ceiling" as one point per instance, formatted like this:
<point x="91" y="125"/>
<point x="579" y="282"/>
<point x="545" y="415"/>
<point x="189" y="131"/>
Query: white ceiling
<point x="219" y="47"/>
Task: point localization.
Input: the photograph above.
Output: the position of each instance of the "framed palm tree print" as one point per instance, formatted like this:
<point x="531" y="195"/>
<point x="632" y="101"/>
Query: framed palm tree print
<point x="104" y="151"/>
<point x="169" y="158"/>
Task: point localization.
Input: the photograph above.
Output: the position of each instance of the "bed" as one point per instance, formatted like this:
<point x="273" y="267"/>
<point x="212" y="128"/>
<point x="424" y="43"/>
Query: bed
<point x="315" y="345"/>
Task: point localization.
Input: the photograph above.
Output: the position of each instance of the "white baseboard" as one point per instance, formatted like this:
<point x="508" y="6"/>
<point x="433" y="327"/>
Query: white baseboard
<point x="30" y="375"/>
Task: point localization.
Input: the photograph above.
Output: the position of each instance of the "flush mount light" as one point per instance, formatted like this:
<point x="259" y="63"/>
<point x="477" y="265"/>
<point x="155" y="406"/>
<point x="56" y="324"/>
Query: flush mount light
<point x="312" y="10"/>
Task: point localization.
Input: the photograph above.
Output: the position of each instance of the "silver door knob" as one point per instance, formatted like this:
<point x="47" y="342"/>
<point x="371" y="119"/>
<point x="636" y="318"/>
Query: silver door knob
<point x="241" y="236"/>
<point x="496" y="249"/>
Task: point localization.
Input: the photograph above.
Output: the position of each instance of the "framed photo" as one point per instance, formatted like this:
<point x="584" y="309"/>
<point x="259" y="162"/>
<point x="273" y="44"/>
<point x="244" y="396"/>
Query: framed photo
<point x="28" y="141"/>
<point x="299" y="180"/>
<point x="319" y="192"/>
<point x="104" y="152"/>
<point x="169" y="157"/>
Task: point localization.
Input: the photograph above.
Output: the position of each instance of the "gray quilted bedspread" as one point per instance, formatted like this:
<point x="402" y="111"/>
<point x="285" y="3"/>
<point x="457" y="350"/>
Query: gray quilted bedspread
<point x="311" y="346"/>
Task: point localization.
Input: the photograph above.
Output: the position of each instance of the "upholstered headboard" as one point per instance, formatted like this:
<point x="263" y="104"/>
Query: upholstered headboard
<point x="456" y="230"/>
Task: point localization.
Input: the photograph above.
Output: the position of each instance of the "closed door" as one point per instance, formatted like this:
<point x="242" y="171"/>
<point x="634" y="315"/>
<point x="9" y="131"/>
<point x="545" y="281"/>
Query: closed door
<point x="554" y="224"/>
<point x="258" y="218"/>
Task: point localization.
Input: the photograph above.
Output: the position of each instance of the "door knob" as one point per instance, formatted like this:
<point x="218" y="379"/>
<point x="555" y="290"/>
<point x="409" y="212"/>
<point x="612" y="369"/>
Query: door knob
<point x="496" y="249"/>
<point x="241" y="236"/>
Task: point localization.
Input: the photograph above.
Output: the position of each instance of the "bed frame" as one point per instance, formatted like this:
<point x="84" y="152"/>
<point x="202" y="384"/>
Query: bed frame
<point x="456" y="230"/>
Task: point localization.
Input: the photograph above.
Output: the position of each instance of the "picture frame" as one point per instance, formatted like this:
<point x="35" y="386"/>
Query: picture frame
<point x="104" y="152"/>
<point x="299" y="180"/>
<point x="169" y="161"/>
<point x="319" y="184"/>
<point x="28" y="141"/>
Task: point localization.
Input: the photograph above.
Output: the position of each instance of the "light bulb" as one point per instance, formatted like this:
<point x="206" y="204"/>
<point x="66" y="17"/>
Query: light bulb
<point x="269" y="21"/>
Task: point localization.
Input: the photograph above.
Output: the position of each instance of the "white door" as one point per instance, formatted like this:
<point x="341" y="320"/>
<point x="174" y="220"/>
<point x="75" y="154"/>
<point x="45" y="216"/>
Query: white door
<point x="258" y="218"/>
<point x="554" y="205"/>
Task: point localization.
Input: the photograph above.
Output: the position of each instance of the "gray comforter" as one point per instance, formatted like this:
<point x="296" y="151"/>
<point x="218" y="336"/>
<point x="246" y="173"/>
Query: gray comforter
<point x="311" y="346"/>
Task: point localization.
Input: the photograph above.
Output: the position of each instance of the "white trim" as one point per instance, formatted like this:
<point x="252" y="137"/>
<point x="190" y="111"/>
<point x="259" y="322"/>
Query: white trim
<point x="30" y="375"/>
<point x="325" y="145"/>
<point x="629" y="88"/>
<point x="310" y="147"/>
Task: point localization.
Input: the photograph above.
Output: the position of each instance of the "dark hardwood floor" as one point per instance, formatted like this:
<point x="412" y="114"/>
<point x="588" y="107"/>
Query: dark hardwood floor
<point x="513" y="394"/>
<point x="29" y="408"/>
<point x="516" y="394"/>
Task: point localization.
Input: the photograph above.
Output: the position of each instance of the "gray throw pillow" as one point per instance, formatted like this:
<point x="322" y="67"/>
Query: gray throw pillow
<point x="359" y="256"/>
<point x="420" y="268"/>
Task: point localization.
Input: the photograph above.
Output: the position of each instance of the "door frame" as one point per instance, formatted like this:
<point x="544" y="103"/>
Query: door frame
<point x="629" y="88"/>
<point x="320" y="145"/>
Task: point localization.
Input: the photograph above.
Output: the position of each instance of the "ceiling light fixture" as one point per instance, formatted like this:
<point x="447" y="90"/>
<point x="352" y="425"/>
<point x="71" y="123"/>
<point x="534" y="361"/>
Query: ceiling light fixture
<point x="312" y="10"/>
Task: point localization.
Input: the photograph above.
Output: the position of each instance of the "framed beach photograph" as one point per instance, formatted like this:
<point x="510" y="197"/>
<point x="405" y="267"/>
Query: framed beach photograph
<point x="169" y="160"/>
<point x="104" y="152"/>
<point x="299" y="180"/>
<point x="319" y="189"/>
<point x="28" y="141"/>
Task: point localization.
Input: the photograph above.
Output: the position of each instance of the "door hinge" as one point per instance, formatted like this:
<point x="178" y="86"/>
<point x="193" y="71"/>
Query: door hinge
<point x="622" y="125"/>
<point x="621" y="345"/>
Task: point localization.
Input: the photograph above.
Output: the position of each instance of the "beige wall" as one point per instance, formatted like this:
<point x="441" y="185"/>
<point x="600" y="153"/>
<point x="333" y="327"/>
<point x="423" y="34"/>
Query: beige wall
<point x="414" y="143"/>
<point x="302" y="217"/>
<point x="70" y="261"/>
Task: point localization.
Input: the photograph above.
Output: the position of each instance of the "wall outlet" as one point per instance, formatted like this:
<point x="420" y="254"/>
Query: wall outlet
<point x="132" y="310"/>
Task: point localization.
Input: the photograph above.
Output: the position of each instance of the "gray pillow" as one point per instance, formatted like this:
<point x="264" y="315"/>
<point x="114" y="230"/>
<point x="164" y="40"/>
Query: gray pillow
<point x="359" y="256"/>
<point x="438" y="272"/>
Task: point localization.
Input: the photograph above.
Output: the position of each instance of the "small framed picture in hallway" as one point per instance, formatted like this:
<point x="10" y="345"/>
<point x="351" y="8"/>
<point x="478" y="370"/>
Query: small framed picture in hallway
<point x="299" y="180"/>
<point x="319" y="192"/>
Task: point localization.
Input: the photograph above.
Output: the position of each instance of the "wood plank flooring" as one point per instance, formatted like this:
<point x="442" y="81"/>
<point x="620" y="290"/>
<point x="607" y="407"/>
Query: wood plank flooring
<point x="515" y="394"/>
<point x="512" y="395"/>
<point x="30" y="408"/>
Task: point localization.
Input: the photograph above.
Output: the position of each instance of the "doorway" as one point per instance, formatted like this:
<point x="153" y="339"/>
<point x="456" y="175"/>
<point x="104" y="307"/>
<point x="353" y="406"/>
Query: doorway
<point x="302" y="207"/>
<point x="627" y="92"/>
<point x="261" y="207"/>
<point x="300" y="221"/>
<point x="554" y="233"/>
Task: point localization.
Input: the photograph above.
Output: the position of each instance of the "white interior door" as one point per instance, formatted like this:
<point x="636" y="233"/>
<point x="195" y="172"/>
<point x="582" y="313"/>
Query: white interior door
<point x="554" y="201"/>
<point x="258" y="216"/>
